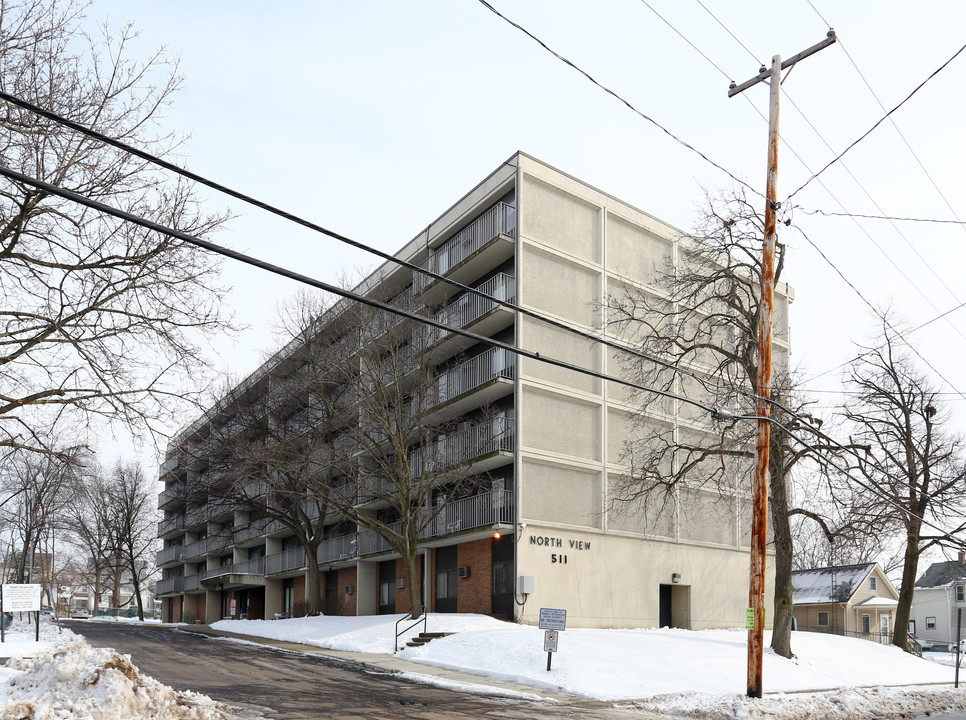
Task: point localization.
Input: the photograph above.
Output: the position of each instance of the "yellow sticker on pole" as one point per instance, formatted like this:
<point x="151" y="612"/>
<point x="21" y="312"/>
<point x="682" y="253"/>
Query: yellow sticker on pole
<point x="749" y="618"/>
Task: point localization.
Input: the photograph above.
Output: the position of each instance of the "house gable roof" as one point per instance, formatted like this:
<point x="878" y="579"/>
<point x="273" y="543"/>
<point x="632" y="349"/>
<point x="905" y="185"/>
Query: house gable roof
<point x="942" y="574"/>
<point x="815" y="586"/>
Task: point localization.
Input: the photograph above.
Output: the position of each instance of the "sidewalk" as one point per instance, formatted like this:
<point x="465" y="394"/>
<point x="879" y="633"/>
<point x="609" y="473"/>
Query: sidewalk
<point x="379" y="662"/>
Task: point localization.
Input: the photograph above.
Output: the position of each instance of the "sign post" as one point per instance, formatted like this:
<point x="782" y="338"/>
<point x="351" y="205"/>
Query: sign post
<point x="553" y="621"/>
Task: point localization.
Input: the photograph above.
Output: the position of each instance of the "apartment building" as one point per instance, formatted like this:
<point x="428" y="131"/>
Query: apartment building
<point x="538" y="529"/>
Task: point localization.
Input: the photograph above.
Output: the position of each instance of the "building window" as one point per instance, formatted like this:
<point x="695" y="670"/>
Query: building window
<point x="930" y="623"/>
<point x="446" y="584"/>
<point x="960" y="593"/>
<point x="866" y="626"/>
<point x="872" y="583"/>
<point x="823" y="618"/>
<point x="912" y="627"/>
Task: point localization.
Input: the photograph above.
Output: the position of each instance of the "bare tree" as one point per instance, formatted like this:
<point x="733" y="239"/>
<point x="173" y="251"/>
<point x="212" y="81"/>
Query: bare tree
<point x="914" y="469"/>
<point x="99" y="318"/>
<point x="91" y="531"/>
<point x="132" y="517"/>
<point x="701" y="317"/>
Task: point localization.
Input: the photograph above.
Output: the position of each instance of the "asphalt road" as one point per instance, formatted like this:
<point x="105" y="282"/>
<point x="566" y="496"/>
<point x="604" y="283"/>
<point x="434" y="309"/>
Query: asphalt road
<point x="293" y="686"/>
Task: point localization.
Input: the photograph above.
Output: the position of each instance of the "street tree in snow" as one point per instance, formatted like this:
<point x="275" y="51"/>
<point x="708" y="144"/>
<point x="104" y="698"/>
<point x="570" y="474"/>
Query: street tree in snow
<point x="701" y="316"/>
<point x="913" y="469"/>
<point x="100" y="318"/>
<point x="403" y="453"/>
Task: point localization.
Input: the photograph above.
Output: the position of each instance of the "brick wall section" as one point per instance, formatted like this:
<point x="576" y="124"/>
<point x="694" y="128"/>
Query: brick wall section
<point x="474" y="594"/>
<point x="347" y="603"/>
<point x="201" y="606"/>
<point x="402" y="594"/>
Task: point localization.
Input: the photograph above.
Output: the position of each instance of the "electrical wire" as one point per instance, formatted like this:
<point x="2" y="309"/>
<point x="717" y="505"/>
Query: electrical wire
<point x="753" y="56"/>
<point x="350" y="295"/>
<point x="681" y="35"/>
<point x="183" y="172"/>
<point x="895" y="125"/>
<point x="877" y="124"/>
<point x="618" y="97"/>
<point x="328" y="287"/>
<point x="894" y="218"/>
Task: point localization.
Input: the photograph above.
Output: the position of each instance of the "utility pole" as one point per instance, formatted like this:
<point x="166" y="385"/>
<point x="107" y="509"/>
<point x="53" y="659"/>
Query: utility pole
<point x="755" y="621"/>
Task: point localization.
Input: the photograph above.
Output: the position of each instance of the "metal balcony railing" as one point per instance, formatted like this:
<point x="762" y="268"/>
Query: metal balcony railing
<point x="344" y="547"/>
<point x="169" y="525"/>
<point x="489" y="508"/>
<point x="171" y="495"/>
<point x="458" y="448"/>
<point x="169" y="585"/>
<point x="246" y="567"/>
<point x="467" y="308"/>
<point x="192" y="582"/>
<point x="196" y="549"/>
<point x="498" y="220"/>
<point x="293" y="559"/>
<point x="492" y="364"/>
<point x="170" y="554"/>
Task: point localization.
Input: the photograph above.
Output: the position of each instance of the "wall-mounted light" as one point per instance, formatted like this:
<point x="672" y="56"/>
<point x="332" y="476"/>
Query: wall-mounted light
<point x="497" y="535"/>
<point x="675" y="577"/>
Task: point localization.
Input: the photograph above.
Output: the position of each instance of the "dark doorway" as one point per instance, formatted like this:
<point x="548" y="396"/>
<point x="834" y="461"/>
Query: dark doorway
<point x="387" y="587"/>
<point x="332" y="592"/>
<point x="502" y="560"/>
<point x="446" y="579"/>
<point x="664" y="619"/>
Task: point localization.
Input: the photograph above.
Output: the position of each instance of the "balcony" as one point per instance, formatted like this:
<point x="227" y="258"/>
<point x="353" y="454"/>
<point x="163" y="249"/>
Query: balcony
<point x="285" y="561"/>
<point x="344" y="547"/>
<point x="171" y="526"/>
<point x="175" y="553"/>
<point x="484" y="371"/>
<point x="169" y="585"/>
<point x="171" y="496"/>
<point x="246" y="567"/>
<point x="192" y="583"/>
<point x="467" y="310"/>
<point x="488" y="240"/>
<point x="479" y="442"/>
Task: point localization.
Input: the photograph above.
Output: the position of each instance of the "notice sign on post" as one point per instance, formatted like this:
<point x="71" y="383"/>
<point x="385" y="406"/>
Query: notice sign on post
<point x="21" y="598"/>
<point x="552" y="619"/>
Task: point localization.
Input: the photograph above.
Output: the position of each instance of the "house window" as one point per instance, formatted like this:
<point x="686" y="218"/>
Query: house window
<point x="930" y="623"/>
<point x="871" y="583"/>
<point x="823" y="618"/>
<point x="866" y="626"/>
<point x="960" y="593"/>
<point x="912" y="627"/>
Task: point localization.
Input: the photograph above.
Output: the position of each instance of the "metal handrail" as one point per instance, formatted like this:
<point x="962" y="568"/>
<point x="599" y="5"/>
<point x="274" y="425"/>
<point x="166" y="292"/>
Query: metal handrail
<point x="404" y="618"/>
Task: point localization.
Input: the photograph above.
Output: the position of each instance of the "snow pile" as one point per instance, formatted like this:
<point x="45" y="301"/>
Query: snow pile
<point x="614" y="665"/>
<point x="838" y="705"/>
<point x="74" y="680"/>
<point x="365" y="634"/>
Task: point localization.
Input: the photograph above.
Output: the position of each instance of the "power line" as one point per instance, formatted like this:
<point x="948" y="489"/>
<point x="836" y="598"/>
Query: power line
<point x="350" y="295"/>
<point x="617" y="96"/>
<point x="328" y="287"/>
<point x="891" y="119"/>
<point x="893" y="218"/>
<point x="877" y="124"/>
<point x="899" y="334"/>
<point x="681" y="35"/>
<point x="753" y="56"/>
<point x="344" y="239"/>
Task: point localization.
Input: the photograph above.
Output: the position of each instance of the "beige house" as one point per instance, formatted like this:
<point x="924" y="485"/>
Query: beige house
<point x="537" y="237"/>
<point x="852" y="600"/>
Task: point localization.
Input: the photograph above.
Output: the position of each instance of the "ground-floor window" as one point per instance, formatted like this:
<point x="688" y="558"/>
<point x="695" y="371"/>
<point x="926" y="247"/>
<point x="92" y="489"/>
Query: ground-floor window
<point x="930" y="623"/>
<point x="823" y="618"/>
<point x="912" y="627"/>
<point x="866" y="627"/>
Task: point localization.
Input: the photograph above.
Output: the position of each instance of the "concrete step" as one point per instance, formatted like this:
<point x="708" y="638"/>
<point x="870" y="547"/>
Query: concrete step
<point x="425" y="637"/>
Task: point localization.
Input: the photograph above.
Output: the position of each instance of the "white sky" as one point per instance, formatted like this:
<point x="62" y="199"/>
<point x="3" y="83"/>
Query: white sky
<point x="372" y="118"/>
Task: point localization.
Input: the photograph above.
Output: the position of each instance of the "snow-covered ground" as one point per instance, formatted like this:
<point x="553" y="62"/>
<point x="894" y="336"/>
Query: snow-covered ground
<point x="684" y="673"/>
<point x="681" y="674"/>
<point x="61" y="677"/>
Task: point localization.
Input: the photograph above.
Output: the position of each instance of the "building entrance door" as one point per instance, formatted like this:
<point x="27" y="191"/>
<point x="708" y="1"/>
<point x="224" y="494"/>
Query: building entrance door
<point x="664" y="613"/>
<point x="387" y="587"/>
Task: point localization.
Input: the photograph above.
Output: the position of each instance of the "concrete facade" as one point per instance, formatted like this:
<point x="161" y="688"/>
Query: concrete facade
<point x="559" y="246"/>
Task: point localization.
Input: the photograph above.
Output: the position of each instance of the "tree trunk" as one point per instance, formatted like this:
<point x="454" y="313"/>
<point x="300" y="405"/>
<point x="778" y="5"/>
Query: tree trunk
<point x="413" y="580"/>
<point x="910" y="568"/>
<point x="313" y="586"/>
<point x="781" y="635"/>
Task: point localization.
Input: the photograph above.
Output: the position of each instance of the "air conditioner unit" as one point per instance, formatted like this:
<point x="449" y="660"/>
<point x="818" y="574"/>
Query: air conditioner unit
<point x="463" y="572"/>
<point x="400" y="583"/>
<point x="349" y="590"/>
